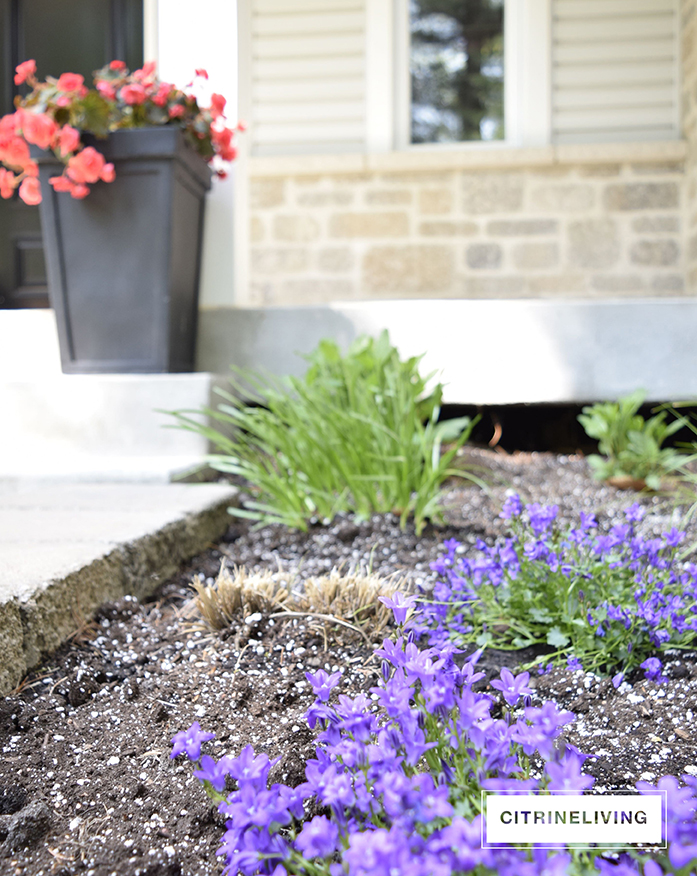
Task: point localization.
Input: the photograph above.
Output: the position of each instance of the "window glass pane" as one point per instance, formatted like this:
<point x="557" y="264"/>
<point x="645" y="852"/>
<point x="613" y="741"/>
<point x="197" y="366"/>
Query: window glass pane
<point x="456" y="61"/>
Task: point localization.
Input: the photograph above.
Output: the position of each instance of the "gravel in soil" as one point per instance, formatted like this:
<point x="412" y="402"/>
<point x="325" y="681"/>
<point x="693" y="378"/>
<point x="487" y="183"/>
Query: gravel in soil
<point x="86" y="782"/>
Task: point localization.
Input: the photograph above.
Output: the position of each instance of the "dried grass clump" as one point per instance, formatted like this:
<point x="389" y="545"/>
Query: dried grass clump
<point x="351" y="597"/>
<point x="239" y="595"/>
<point x="331" y="603"/>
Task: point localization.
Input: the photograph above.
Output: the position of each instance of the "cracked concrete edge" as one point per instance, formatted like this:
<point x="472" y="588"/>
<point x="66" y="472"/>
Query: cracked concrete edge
<point x="32" y="629"/>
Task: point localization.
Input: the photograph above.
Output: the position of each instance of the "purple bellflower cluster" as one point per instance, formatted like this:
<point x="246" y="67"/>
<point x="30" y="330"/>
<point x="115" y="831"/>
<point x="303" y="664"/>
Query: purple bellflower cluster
<point x="395" y="786"/>
<point x="397" y="778"/>
<point x="605" y="600"/>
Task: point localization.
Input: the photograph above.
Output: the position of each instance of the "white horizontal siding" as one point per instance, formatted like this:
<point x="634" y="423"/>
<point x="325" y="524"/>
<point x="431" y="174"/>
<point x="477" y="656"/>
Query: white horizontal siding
<point x="307" y="90"/>
<point x="614" y="70"/>
<point x="303" y="24"/>
<point x="308" y="76"/>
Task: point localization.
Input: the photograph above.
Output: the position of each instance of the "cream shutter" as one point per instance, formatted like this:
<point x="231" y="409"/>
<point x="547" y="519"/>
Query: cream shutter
<point x="308" y="76"/>
<point x="614" y="70"/>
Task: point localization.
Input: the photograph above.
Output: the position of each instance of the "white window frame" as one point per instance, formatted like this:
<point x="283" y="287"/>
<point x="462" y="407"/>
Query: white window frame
<point x="527" y="77"/>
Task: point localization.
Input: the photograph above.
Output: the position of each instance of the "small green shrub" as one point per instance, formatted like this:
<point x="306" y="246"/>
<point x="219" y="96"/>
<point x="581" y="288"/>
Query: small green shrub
<point x="630" y="446"/>
<point x="358" y="433"/>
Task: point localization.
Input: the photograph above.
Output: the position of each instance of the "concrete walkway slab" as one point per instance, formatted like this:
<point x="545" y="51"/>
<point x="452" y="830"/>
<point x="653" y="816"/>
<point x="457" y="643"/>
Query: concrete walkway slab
<point x="65" y="550"/>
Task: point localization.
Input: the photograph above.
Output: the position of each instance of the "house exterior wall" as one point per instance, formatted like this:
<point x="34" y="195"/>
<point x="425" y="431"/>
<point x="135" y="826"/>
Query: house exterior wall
<point x="596" y="240"/>
<point x="688" y="14"/>
<point x="590" y="222"/>
<point x="571" y="219"/>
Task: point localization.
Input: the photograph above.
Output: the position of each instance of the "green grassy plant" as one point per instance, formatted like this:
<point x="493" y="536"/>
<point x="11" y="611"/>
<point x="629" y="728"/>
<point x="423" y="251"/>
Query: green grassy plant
<point x="630" y="446"/>
<point x="358" y="433"/>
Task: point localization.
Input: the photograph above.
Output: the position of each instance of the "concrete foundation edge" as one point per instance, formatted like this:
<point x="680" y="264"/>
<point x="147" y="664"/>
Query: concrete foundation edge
<point x="31" y="629"/>
<point x="485" y="351"/>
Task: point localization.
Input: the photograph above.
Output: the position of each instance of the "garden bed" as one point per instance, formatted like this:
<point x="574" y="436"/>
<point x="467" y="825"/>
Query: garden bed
<point x="86" y="782"/>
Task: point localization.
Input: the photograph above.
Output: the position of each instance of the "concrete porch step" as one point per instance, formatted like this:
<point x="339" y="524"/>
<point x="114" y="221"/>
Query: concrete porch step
<point x="88" y="427"/>
<point x="66" y="550"/>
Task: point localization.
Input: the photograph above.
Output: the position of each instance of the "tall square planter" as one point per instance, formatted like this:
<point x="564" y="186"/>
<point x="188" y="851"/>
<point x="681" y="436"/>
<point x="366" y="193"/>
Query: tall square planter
<point x="123" y="264"/>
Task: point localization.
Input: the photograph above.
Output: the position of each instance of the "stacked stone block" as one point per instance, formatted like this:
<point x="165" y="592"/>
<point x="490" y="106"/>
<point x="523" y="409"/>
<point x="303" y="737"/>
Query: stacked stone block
<point x="557" y="231"/>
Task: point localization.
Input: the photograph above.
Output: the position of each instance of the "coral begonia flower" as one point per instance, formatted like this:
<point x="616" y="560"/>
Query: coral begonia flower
<point x="162" y="94"/>
<point x="202" y="73"/>
<point x="15" y="152"/>
<point x="38" y="128"/>
<point x="8" y="125"/>
<point x="176" y="111"/>
<point x="62" y="183"/>
<point x="107" y="174"/>
<point x="119" y="66"/>
<point x="86" y="166"/>
<point x="217" y="105"/>
<point x="68" y="139"/>
<point x="106" y="89"/>
<point x="24" y="70"/>
<point x="30" y="191"/>
<point x="147" y="71"/>
<point x="79" y="191"/>
<point x="70" y="82"/>
<point x="7" y="179"/>
<point x="134" y="94"/>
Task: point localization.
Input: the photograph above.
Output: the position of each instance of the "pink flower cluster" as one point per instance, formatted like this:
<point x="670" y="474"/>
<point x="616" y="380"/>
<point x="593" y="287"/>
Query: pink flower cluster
<point x="54" y="116"/>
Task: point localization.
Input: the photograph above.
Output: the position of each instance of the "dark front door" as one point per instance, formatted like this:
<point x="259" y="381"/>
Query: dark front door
<point x="78" y="36"/>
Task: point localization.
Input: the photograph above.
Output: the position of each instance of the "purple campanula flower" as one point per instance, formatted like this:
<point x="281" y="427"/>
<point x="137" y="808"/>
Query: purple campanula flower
<point x="512" y="507"/>
<point x="673" y="538"/>
<point x="617" y="679"/>
<point x="588" y="521"/>
<point x="619" y="533"/>
<point x="536" y="550"/>
<point x="603" y="544"/>
<point x="541" y="517"/>
<point x="573" y="664"/>
<point x="318" y="838"/>
<point x="322" y="683"/>
<point x="616" y="868"/>
<point x="189" y="742"/>
<point x="635" y="513"/>
<point x="652" y="667"/>
<point x="395" y="695"/>
<point x="250" y="769"/>
<point x="451" y="545"/>
<point x="651" y="868"/>
<point x="214" y="772"/>
<point x="566" y="775"/>
<point x="549" y="717"/>
<point x="400" y="604"/>
<point x="251" y="807"/>
<point x="393" y="652"/>
<point x="512" y="687"/>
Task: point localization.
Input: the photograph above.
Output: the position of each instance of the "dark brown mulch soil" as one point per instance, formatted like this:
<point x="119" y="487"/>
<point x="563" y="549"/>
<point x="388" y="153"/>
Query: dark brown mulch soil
<point x="86" y="782"/>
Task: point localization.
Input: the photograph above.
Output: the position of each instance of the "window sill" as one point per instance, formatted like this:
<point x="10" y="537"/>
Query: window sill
<point x="469" y="157"/>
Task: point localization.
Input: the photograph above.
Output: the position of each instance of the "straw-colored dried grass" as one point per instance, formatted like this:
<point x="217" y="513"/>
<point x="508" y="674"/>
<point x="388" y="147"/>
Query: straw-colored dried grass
<point x="330" y="603"/>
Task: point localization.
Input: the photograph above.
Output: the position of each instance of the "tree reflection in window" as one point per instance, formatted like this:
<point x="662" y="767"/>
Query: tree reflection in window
<point x="456" y="62"/>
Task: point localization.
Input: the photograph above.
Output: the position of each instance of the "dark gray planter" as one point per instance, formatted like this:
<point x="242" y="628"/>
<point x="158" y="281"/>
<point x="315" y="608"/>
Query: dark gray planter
<point x="123" y="264"/>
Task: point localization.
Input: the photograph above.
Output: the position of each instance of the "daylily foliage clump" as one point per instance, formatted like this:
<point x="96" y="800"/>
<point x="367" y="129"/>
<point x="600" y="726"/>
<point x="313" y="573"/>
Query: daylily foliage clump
<point x="56" y="113"/>
<point x="395" y="785"/>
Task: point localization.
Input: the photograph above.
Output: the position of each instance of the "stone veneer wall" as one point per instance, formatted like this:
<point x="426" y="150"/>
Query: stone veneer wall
<point x="688" y="32"/>
<point x="551" y="229"/>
